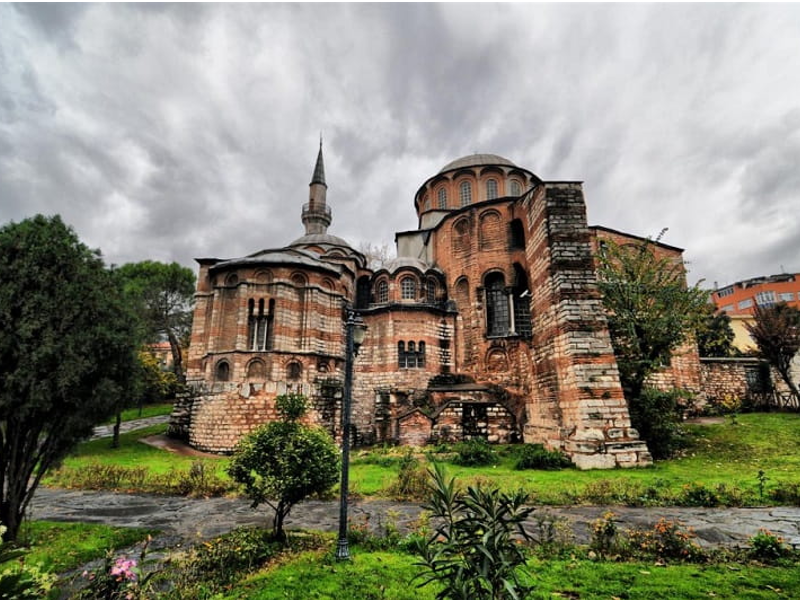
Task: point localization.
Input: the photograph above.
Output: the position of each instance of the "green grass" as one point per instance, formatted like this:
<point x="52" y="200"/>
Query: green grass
<point x="60" y="547"/>
<point x="390" y="575"/>
<point x="725" y="454"/>
<point x="148" y="410"/>
<point x="731" y="455"/>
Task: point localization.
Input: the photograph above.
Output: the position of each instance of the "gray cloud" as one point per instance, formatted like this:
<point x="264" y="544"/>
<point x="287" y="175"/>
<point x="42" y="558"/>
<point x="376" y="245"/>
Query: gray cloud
<point x="176" y="131"/>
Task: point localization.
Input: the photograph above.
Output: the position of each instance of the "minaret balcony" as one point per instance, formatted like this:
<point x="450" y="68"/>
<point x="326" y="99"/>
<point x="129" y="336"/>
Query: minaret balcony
<point x="316" y="208"/>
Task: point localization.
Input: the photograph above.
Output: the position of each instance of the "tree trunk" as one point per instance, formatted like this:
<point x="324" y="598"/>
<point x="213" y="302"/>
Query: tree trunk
<point x="11" y="518"/>
<point x="117" y="423"/>
<point x="787" y="378"/>
<point x="177" y="358"/>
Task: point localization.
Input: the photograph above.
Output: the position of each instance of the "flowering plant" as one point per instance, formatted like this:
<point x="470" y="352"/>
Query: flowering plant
<point x="117" y="578"/>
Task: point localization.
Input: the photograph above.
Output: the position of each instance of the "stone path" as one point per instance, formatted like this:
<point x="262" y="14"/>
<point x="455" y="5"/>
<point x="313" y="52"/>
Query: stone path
<point x="102" y="431"/>
<point x="187" y="521"/>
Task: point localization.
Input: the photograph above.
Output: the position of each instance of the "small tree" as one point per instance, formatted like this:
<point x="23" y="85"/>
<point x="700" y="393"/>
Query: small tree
<point x="776" y="332"/>
<point x="474" y="553"/>
<point x="651" y="311"/>
<point x="67" y="346"/>
<point x="714" y="333"/>
<point x="283" y="462"/>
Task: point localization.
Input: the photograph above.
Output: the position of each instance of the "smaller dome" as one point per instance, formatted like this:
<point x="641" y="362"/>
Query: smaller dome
<point x="475" y="160"/>
<point x="321" y="239"/>
<point x="400" y="262"/>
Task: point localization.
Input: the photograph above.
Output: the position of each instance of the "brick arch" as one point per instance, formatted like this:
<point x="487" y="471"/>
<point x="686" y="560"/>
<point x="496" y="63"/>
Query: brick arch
<point x="263" y="276"/>
<point x="256" y="370"/>
<point x="490" y="230"/>
<point x="231" y="279"/>
<point x="496" y="360"/>
<point x="461" y="236"/>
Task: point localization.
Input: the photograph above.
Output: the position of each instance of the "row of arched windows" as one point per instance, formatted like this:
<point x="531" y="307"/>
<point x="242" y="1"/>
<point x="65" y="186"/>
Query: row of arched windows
<point x="257" y="370"/>
<point x="409" y="287"/>
<point x="465" y="194"/>
<point x="492" y="233"/>
<point x="508" y="309"/>
<point x="411" y="355"/>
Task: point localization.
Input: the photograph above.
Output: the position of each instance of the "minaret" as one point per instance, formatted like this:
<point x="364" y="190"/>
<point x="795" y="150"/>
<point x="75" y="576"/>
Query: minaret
<point x="317" y="214"/>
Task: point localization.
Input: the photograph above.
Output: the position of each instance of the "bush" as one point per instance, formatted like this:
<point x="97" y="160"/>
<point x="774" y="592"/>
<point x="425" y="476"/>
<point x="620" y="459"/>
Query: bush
<point x="412" y="479"/>
<point x="768" y="547"/>
<point x="475" y="452"/>
<point x="656" y="415"/>
<point x="666" y="541"/>
<point x="536" y="456"/>
<point x="474" y="553"/>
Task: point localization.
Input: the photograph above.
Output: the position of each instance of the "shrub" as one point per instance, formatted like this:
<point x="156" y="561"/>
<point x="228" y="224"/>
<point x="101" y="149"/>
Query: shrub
<point x="474" y="452"/>
<point x="536" y="456"/>
<point x="213" y="564"/>
<point x="604" y="532"/>
<point x="697" y="494"/>
<point x="412" y="479"/>
<point x="656" y="414"/>
<point x="665" y="541"/>
<point x="117" y="578"/>
<point x="474" y="553"/>
<point x="786" y="492"/>
<point x="284" y="462"/>
<point x="768" y="547"/>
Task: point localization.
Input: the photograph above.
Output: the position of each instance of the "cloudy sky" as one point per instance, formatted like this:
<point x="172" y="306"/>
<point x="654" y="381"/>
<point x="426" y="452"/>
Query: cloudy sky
<point x="171" y="132"/>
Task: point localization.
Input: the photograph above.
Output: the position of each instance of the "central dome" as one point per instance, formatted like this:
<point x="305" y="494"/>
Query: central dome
<point x="474" y="160"/>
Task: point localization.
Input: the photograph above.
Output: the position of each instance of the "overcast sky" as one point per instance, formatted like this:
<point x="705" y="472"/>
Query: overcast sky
<point x="171" y="132"/>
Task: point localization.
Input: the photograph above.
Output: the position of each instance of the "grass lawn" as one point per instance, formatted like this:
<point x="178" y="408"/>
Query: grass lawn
<point x="148" y="410"/>
<point x="60" y="547"/>
<point x="718" y="455"/>
<point x="389" y="575"/>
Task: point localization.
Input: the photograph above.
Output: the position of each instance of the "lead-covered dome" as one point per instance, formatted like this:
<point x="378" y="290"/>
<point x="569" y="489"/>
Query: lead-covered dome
<point x="476" y="160"/>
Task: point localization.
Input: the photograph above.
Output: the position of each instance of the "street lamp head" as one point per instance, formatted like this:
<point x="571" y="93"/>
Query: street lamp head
<point x="359" y="332"/>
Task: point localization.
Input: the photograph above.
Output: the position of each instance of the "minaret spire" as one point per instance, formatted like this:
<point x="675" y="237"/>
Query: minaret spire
<point x="319" y="169"/>
<point x="317" y="214"/>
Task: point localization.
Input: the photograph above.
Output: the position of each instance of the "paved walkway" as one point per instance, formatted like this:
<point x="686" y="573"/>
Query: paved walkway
<point x="102" y="431"/>
<point x="186" y="520"/>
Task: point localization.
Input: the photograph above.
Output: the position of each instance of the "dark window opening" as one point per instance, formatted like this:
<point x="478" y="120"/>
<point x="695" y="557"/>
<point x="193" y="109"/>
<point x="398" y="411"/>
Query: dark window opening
<point x="410" y="355"/>
<point x="223" y="371"/>
<point x="474" y="420"/>
<point x="522" y="303"/>
<point x="294" y="371"/>
<point x="497" y="313"/>
<point x="363" y="292"/>
<point x="516" y="234"/>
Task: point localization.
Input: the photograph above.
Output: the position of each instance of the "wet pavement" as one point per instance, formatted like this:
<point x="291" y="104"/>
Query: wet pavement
<point x="102" y="431"/>
<point x="188" y="520"/>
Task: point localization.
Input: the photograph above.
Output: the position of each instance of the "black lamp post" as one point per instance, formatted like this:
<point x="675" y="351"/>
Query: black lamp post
<point x="356" y="329"/>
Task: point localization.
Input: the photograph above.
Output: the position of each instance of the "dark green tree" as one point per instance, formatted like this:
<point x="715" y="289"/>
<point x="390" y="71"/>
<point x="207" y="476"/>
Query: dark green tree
<point x="67" y="349"/>
<point x="714" y="333"/>
<point x="163" y="295"/>
<point x="776" y="332"/>
<point x="283" y="462"/>
<point x="651" y="311"/>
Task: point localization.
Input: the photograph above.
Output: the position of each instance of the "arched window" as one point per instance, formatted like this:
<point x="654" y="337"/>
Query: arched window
<point x="294" y="370"/>
<point x="516" y="235"/>
<point x="382" y="293"/>
<point x="497" y="317"/>
<point x="460" y="241"/>
<point x="408" y="288"/>
<point x="465" y="193"/>
<point x="401" y="355"/>
<point x="491" y="189"/>
<point x="410" y="355"/>
<point x="223" y="371"/>
<point x="421" y="354"/>
<point x="430" y="290"/>
<point x="363" y="292"/>
<point x="522" y="303"/>
<point x="442" y="197"/>
<point x="256" y="370"/>
<point x="251" y="325"/>
<point x="270" y="325"/>
<point x="516" y="190"/>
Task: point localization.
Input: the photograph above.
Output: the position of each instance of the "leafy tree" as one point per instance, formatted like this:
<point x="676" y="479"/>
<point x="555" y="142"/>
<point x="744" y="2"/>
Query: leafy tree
<point x="714" y="333"/>
<point x="473" y="554"/>
<point x="776" y="332"/>
<point x="651" y="311"/>
<point x="163" y="294"/>
<point x="67" y="345"/>
<point x="283" y="462"/>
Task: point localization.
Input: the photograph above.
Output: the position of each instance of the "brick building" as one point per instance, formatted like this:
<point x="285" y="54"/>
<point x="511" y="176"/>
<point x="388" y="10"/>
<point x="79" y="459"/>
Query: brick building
<point x="489" y="323"/>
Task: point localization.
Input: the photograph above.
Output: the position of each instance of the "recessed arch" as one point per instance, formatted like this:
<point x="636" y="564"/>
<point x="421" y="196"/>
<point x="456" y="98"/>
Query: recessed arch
<point x="222" y="370"/>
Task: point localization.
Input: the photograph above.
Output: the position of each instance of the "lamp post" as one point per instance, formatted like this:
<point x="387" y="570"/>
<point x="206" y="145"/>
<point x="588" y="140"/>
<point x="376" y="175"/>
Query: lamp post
<point x="355" y="330"/>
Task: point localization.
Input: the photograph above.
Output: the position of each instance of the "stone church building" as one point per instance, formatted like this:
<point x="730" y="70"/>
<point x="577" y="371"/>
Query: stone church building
<point x="488" y="323"/>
